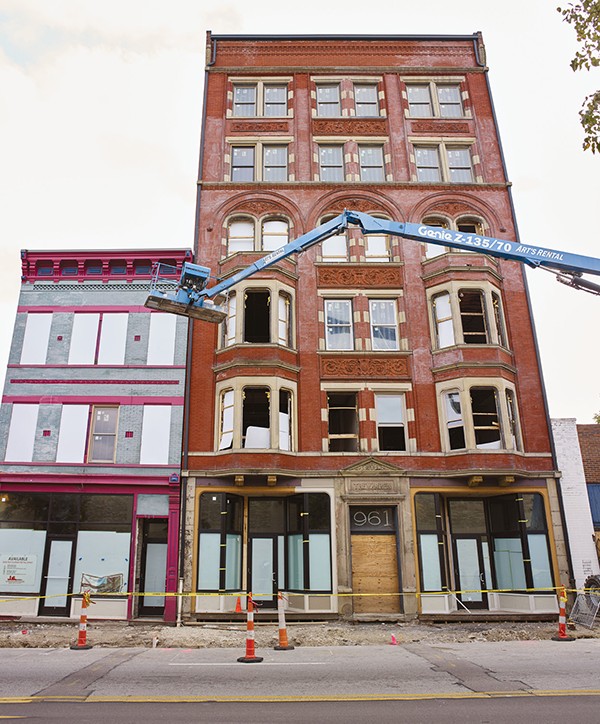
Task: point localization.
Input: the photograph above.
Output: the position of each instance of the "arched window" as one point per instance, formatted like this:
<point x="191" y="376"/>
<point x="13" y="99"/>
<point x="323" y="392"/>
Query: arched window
<point x="275" y="234"/>
<point x="240" y="235"/>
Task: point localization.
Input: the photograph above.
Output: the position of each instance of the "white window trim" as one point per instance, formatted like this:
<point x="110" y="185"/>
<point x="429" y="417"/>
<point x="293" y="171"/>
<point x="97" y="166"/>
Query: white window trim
<point x="443" y="145"/>
<point x="433" y="82"/>
<point x="349" y="300"/>
<point x="275" y="288"/>
<point x="237" y="385"/>
<point x="453" y="288"/>
<point x="36" y="336"/>
<point x="257" y="243"/>
<point x="260" y="83"/>
<point x="22" y="433"/>
<point x="394" y="302"/>
<point x="463" y="387"/>
<point x="258" y="145"/>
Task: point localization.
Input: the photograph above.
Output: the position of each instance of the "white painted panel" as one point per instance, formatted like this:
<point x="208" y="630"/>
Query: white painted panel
<point x="113" y="336"/>
<point x="156" y="435"/>
<point x="35" y="342"/>
<point x="72" y="434"/>
<point x="83" y="339"/>
<point x="161" y="340"/>
<point x="21" y="434"/>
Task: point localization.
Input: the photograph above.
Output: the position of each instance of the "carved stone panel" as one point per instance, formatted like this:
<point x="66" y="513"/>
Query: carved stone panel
<point x="436" y="126"/>
<point x="382" y="277"/>
<point x="259" y="127"/>
<point x="348" y="367"/>
<point x="349" y="127"/>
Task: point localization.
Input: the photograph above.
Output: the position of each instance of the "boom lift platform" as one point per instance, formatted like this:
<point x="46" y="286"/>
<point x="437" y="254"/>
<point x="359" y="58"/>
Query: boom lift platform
<point x="192" y="297"/>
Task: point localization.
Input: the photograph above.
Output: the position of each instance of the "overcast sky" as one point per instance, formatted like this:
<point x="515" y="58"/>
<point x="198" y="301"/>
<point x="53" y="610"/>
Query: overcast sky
<point x="100" y="108"/>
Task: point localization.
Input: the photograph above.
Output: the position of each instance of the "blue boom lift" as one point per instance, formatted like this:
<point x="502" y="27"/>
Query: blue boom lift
<point x="192" y="297"/>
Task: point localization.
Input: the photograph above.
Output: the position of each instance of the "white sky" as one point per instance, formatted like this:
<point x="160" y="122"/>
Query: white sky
<point x="100" y="108"/>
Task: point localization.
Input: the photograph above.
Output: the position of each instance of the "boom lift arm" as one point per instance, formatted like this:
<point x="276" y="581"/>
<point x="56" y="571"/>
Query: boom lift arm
<point x="192" y="297"/>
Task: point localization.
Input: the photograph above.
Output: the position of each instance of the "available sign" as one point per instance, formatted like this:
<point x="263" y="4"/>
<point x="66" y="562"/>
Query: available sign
<point x="17" y="570"/>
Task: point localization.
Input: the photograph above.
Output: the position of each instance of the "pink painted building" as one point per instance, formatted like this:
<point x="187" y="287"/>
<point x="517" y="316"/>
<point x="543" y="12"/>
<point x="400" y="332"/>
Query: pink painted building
<point x="90" y="439"/>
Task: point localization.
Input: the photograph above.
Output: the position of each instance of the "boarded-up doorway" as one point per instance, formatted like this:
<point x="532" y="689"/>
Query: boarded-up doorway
<point x="375" y="568"/>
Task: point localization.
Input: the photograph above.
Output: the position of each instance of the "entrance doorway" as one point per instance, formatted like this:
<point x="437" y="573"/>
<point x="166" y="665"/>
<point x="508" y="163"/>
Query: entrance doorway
<point x="153" y="566"/>
<point x="472" y="568"/>
<point x="266" y="546"/>
<point x="57" y="576"/>
<point x="375" y="569"/>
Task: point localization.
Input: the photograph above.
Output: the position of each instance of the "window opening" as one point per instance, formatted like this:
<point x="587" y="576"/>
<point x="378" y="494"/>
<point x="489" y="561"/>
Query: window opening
<point x="499" y="319"/>
<point x="118" y="267"/>
<point x="459" y="165"/>
<point x="371" y="163"/>
<point x="389" y="411"/>
<point x="256" y="417"/>
<point x="454" y="421"/>
<point x="419" y="101"/>
<point x="275" y="234"/>
<point x="328" y="100"/>
<point x="365" y="100"/>
<point x="45" y="269"/>
<point x="444" y="325"/>
<point x="275" y="100"/>
<point x="242" y="163"/>
<point x="103" y="434"/>
<point x="68" y="269"/>
<point x="472" y="316"/>
<point x="229" y="323"/>
<point x="338" y="324"/>
<point x="275" y="163"/>
<point x="331" y="161"/>
<point x="227" y="417"/>
<point x="257" y="325"/>
<point x="427" y="160"/>
<point x="244" y="100"/>
<point x="285" y="416"/>
<point x="486" y="419"/>
<point x="513" y="421"/>
<point x="240" y="236"/>
<point x="284" y="322"/>
<point x="384" y="327"/>
<point x="450" y="101"/>
<point x="343" y="421"/>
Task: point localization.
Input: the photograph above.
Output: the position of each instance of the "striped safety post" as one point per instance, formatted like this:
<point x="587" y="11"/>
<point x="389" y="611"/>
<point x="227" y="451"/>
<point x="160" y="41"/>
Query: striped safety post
<point x="562" y="617"/>
<point x="283" y="644"/>
<point x="250" y="657"/>
<point x="82" y="644"/>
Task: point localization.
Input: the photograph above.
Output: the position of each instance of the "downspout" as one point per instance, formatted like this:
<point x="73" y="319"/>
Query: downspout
<point x="563" y="520"/>
<point x="186" y="420"/>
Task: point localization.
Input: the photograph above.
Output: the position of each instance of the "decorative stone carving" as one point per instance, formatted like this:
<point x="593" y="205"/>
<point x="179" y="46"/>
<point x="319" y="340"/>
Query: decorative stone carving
<point x="372" y="467"/>
<point x="259" y="207"/>
<point x="358" y="277"/>
<point x="349" y="126"/>
<point x="259" y="127"/>
<point x="436" y="126"/>
<point x="452" y="208"/>
<point x="364" y="367"/>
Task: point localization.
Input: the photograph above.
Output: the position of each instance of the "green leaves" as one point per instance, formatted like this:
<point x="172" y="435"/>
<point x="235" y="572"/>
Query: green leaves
<point x="585" y="19"/>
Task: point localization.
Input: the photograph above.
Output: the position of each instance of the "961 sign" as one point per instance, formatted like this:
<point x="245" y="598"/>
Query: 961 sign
<point x="372" y="519"/>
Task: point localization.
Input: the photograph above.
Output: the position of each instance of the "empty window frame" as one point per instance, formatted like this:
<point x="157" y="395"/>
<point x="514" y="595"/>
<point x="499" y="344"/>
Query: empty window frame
<point x="342" y="415"/>
<point x="331" y="163"/>
<point x="284" y="320"/>
<point x="481" y="416"/>
<point x="455" y="425"/>
<point x="437" y="163"/>
<point x="390" y="416"/>
<point x="228" y="327"/>
<point x="366" y="102"/>
<point x="430" y="99"/>
<point x="103" y="435"/>
<point x="338" y="324"/>
<point x="384" y="324"/>
<point x="371" y="163"/>
<point x="161" y="339"/>
<point x="259" y="99"/>
<point x="442" y="320"/>
<point x="328" y="100"/>
<point x="35" y="340"/>
<point x="467" y="316"/>
<point x="472" y="316"/>
<point x="257" y="316"/>
<point x="260" y="419"/>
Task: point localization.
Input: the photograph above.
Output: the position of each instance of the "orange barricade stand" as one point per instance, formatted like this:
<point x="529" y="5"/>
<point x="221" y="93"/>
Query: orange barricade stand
<point x="82" y="644"/>
<point x="562" y="617"/>
<point x="250" y="657"/>
<point x="283" y="644"/>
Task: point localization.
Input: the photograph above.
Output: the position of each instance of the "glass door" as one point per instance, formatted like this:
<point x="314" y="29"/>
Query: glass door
<point x="57" y="577"/>
<point x="153" y="569"/>
<point x="472" y="564"/>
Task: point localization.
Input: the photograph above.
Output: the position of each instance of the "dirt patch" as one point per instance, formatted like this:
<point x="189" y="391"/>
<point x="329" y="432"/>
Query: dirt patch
<point x="15" y="634"/>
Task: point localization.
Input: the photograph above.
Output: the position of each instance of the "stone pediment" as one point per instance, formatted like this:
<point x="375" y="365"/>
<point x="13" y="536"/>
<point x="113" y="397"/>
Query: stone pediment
<point x="371" y="467"/>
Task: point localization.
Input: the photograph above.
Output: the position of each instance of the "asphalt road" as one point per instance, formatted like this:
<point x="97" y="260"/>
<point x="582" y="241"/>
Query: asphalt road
<point x="475" y="682"/>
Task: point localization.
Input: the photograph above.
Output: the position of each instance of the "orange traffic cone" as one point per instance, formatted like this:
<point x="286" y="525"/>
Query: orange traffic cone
<point x="393" y="642"/>
<point x="238" y="605"/>
<point x="283" y="644"/>
<point x="250" y="657"/>
<point x="82" y="644"/>
<point x="562" y="617"/>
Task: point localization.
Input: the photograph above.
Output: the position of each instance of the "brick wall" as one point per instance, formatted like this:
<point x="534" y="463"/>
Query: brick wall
<point x="589" y="442"/>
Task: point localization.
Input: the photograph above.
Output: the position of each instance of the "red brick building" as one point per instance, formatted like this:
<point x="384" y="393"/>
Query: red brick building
<point x="370" y="418"/>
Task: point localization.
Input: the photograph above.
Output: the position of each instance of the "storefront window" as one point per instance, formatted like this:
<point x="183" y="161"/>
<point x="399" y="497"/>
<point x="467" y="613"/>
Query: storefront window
<point x="430" y="534"/>
<point x="220" y="542"/>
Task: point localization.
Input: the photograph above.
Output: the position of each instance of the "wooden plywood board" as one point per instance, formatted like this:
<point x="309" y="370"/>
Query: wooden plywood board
<point x="375" y="571"/>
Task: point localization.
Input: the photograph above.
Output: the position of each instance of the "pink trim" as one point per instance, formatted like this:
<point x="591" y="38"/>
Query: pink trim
<point x="85" y="399"/>
<point x="25" y="381"/>
<point x="88" y="309"/>
<point x="13" y="365"/>
<point x="81" y="484"/>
